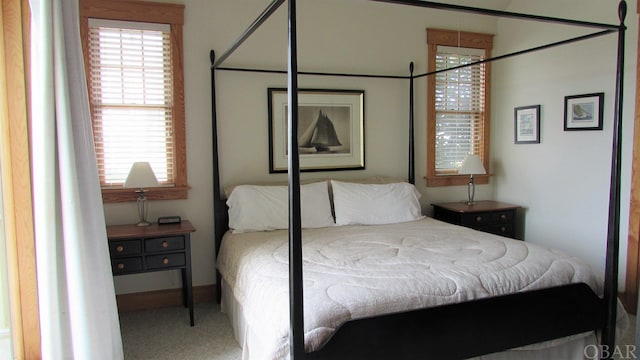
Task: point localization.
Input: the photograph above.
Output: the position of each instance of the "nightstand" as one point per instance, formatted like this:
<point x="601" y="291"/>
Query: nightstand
<point x="140" y="249"/>
<point x="488" y="216"/>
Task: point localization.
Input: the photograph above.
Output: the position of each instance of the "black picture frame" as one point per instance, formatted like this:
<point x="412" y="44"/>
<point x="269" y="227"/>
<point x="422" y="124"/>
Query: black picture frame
<point x="331" y="129"/>
<point x="583" y="112"/>
<point x="526" y="124"/>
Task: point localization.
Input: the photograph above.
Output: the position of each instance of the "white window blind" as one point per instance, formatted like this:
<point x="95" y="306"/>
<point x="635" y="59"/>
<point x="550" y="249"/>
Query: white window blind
<point x="459" y="107"/>
<point x="131" y="96"/>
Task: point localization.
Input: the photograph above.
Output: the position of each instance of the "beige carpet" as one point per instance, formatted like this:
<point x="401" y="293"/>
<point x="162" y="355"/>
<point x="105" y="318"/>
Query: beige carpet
<point x="165" y="334"/>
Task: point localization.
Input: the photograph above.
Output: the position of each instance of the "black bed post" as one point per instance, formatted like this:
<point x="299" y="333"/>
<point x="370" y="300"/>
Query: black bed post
<point x="296" y="309"/>
<point x="217" y="211"/>
<point x="613" y="233"/>
<point x="412" y="150"/>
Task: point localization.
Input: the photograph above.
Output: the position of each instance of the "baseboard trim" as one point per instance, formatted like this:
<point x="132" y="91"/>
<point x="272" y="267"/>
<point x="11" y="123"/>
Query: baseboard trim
<point x="163" y="298"/>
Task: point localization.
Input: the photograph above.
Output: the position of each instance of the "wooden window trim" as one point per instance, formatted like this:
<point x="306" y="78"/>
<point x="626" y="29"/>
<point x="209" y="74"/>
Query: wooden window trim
<point x="146" y="11"/>
<point x="465" y="39"/>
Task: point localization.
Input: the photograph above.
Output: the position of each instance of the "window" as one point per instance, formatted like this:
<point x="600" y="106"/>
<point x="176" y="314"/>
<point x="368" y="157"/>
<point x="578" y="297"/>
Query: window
<point x="134" y="73"/>
<point x="457" y="104"/>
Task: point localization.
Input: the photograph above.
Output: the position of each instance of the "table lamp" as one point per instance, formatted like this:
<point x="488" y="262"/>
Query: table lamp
<point x="470" y="166"/>
<point x="141" y="176"/>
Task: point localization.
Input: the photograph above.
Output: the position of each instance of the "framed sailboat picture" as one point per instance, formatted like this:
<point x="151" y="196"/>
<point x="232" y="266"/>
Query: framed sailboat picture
<point x="583" y="112"/>
<point x="330" y="129"/>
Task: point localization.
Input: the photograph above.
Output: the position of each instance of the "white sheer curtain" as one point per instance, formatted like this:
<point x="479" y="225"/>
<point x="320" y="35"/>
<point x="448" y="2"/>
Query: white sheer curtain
<point x="78" y="313"/>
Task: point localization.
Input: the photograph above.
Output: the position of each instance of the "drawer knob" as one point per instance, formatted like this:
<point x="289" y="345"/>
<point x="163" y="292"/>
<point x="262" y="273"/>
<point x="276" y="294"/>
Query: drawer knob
<point x="503" y="229"/>
<point x="119" y="248"/>
<point x="165" y="261"/>
<point x="165" y="244"/>
<point x="120" y="266"/>
<point x="478" y="218"/>
<point x="503" y="216"/>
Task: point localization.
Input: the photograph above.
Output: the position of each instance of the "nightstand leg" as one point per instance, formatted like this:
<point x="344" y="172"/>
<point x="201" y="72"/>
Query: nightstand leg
<point x="188" y="292"/>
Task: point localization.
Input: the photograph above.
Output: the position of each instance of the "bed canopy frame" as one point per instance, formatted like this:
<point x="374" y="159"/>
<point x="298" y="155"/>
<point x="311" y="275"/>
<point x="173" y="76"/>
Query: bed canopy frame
<point x="452" y="331"/>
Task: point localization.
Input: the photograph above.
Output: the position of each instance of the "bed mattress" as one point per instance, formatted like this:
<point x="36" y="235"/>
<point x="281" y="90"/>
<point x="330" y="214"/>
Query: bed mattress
<point x="356" y="271"/>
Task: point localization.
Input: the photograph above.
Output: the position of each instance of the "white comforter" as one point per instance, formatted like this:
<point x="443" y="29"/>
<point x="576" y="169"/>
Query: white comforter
<point x="356" y="271"/>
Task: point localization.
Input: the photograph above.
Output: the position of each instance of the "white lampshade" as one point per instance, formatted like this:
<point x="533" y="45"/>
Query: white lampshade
<point x="141" y="176"/>
<point x="471" y="165"/>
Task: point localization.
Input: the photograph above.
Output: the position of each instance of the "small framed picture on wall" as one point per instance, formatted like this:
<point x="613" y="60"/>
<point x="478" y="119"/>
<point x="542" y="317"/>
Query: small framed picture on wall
<point x="583" y="112"/>
<point x="527" y="124"/>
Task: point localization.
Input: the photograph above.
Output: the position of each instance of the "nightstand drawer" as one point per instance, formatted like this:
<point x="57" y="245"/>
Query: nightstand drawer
<point x="124" y="248"/>
<point x="126" y="265"/>
<point x="502" y="217"/>
<point x="502" y="229"/>
<point x="476" y="219"/>
<point x="164" y="244"/>
<point x="165" y="261"/>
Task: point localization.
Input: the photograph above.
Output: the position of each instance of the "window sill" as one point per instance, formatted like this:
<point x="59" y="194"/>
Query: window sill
<point x="118" y="195"/>
<point x="455" y="180"/>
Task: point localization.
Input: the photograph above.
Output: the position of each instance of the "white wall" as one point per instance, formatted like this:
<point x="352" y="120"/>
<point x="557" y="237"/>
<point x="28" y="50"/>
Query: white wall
<point x="563" y="182"/>
<point x="334" y="35"/>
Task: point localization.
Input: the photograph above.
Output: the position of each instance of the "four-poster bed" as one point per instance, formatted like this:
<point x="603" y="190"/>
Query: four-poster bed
<point x="453" y="330"/>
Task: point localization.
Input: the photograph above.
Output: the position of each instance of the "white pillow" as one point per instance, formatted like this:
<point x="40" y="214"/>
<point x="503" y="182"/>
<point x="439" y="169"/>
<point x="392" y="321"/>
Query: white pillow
<point x="264" y="208"/>
<point x="371" y="204"/>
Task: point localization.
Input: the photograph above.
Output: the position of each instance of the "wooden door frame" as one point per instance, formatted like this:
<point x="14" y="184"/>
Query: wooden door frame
<point x="630" y="296"/>
<point x="17" y="200"/>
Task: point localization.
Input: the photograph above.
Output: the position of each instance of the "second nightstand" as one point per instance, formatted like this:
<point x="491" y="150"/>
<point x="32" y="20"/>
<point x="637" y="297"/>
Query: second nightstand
<point x="488" y="216"/>
<point x="140" y="249"/>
